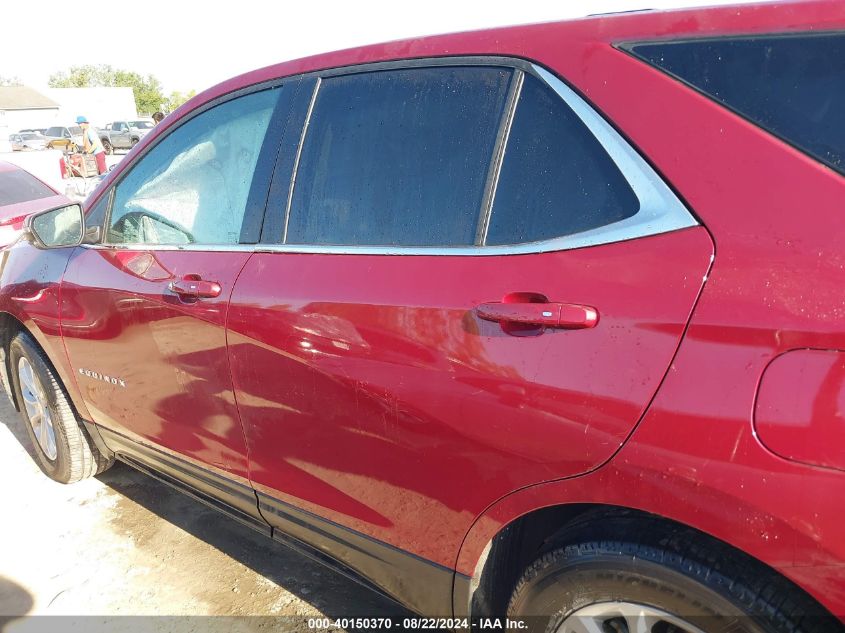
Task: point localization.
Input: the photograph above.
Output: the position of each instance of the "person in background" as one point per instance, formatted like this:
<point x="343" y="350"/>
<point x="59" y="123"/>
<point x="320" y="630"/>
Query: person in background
<point x="91" y="144"/>
<point x="157" y="117"/>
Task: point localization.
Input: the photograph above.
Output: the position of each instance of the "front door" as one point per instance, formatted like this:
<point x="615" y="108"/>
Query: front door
<point x="143" y="313"/>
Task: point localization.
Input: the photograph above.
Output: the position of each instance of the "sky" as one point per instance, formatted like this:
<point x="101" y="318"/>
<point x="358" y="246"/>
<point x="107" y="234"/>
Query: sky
<point x="189" y="44"/>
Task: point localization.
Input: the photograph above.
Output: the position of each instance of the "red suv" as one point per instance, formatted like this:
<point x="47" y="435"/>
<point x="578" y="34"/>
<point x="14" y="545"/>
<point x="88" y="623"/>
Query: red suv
<point x="539" y="321"/>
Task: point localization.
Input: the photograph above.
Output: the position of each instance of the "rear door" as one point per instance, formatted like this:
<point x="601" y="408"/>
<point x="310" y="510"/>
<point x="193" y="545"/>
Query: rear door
<point x="476" y="285"/>
<point x="143" y="312"/>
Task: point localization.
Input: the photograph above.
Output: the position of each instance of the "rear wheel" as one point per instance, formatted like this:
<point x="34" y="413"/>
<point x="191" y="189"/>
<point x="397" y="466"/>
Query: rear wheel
<point x="665" y="581"/>
<point x="63" y="449"/>
<point x="107" y="146"/>
<point x="133" y="142"/>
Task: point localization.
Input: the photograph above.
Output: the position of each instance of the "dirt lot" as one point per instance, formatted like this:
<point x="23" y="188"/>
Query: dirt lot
<point x="123" y="544"/>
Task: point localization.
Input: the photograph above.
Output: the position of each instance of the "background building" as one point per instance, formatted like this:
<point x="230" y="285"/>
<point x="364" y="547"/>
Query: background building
<point x="22" y="107"/>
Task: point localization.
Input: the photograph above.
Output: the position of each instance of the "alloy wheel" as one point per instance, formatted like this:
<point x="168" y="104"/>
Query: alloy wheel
<point x="37" y="408"/>
<point x="624" y="617"/>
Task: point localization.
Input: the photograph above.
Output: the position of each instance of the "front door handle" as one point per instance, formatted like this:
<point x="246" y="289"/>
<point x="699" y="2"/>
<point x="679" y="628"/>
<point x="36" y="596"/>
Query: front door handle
<point x="191" y="287"/>
<point x="568" y="316"/>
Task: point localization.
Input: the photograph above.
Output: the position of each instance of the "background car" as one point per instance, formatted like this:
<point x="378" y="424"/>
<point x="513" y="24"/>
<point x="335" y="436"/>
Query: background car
<point x="124" y="134"/>
<point x="21" y="195"/>
<point x="23" y="141"/>
<point x="65" y="138"/>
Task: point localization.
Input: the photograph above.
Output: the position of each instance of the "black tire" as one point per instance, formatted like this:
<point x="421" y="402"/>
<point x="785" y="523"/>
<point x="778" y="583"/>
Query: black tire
<point x="76" y="455"/>
<point x="133" y="142"/>
<point x="672" y="570"/>
<point x="107" y="146"/>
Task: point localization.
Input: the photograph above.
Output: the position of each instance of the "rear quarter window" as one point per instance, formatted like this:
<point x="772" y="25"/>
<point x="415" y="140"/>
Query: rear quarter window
<point x="790" y="85"/>
<point x="556" y="178"/>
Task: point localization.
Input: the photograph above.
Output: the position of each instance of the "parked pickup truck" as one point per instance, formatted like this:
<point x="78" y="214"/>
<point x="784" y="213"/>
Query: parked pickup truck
<point x="124" y="134"/>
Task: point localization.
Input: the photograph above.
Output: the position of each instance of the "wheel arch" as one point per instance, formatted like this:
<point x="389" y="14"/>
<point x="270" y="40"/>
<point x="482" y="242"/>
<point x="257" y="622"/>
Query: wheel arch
<point x="527" y="537"/>
<point x="10" y="326"/>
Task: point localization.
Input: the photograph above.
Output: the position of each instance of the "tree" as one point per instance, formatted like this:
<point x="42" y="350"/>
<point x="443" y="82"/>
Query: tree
<point x="147" y="89"/>
<point x="176" y="99"/>
<point x="10" y="81"/>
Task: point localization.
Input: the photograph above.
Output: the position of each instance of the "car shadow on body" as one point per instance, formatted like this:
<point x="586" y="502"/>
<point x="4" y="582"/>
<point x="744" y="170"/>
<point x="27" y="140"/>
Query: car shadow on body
<point x="311" y="586"/>
<point x="327" y="591"/>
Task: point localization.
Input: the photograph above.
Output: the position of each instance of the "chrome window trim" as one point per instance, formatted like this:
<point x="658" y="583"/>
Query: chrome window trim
<point x="495" y="170"/>
<point x="660" y="209"/>
<point x="201" y="248"/>
<point x="296" y="160"/>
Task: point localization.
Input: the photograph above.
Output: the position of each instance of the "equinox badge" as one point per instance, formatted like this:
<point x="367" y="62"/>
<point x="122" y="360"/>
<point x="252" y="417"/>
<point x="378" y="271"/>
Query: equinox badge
<point x="96" y="376"/>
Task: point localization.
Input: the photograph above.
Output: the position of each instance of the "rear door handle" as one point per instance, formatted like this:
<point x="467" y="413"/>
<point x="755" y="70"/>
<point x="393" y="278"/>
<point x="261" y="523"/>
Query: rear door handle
<point x="568" y="316"/>
<point x="191" y="287"/>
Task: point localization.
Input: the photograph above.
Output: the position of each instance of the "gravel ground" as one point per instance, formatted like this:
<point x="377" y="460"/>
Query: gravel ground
<point x="108" y="553"/>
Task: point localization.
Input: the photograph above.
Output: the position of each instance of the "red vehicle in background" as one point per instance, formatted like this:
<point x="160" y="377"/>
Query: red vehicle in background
<point x="21" y="195"/>
<point x="540" y="321"/>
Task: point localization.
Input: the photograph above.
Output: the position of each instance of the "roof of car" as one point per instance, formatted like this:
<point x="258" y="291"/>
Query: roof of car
<point x="520" y="41"/>
<point x="549" y="41"/>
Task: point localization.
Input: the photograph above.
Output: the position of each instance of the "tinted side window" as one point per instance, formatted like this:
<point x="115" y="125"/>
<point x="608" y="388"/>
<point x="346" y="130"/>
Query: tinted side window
<point x="790" y="85"/>
<point x="19" y="186"/>
<point x="193" y="186"/>
<point x="398" y="157"/>
<point x="556" y="178"/>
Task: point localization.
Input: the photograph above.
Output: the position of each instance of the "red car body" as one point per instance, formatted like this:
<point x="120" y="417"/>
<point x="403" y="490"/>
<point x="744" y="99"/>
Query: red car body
<point x="363" y="393"/>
